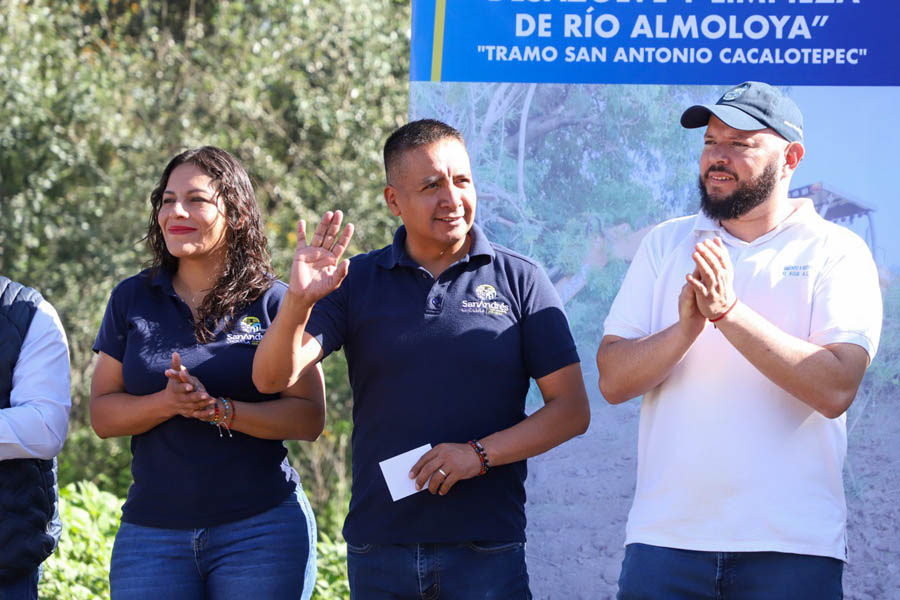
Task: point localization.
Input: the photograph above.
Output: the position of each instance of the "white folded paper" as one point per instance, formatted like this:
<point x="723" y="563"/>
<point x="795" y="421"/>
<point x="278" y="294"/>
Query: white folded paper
<point x="396" y="472"/>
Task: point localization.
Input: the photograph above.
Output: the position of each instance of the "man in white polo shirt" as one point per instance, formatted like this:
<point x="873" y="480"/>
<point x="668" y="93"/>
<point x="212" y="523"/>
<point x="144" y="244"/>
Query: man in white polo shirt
<point x="747" y="328"/>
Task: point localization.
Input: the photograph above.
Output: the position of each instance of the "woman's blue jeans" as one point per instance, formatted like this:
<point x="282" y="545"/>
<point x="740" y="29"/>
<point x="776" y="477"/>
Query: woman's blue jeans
<point x="270" y="555"/>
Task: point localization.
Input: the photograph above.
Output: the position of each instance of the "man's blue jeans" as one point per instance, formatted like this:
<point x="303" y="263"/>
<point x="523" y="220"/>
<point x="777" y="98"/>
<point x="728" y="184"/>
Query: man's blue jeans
<point x="653" y="572"/>
<point x="270" y="555"/>
<point x="473" y="571"/>
<point x="23" y="588"/>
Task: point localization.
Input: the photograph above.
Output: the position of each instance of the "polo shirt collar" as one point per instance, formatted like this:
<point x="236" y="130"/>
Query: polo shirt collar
<point x="702" y="223"/>
<point x="481" y="246"/>
<point x="397" y="255"/>
<point x="804" y="211"/>
<point x="162" y="279"/>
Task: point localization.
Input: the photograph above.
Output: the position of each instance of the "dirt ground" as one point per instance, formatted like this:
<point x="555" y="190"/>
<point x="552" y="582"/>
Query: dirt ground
<point x="579" y="495"/>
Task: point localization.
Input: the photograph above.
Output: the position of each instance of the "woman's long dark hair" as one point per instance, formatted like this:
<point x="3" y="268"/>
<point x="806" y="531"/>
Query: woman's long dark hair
<point x="248" y="270"/>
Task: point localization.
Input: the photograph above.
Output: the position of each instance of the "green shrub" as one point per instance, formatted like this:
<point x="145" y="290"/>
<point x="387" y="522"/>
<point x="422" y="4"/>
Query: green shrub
<point x="79" y="569"/>
<point x="86" y="457"/>
<point x="331" y="580"/>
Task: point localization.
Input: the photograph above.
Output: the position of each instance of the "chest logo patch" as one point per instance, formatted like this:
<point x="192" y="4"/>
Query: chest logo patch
<point x="486" y="302"/>
<point x="486" y="291"/>
<point x="248" y="330"/>
<point x="796" y="271"/>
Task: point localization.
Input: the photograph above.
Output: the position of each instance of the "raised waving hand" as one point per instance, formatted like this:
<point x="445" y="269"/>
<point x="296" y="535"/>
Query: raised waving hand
<point x="317" y="269"/>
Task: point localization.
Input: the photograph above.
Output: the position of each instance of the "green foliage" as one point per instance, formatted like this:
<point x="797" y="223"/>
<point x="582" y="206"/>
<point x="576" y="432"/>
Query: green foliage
<point x="96" y="100"/>
<point x="98" y="96"/>
<point x="79" y="569"/>
<point x="331" y="561"/>
<point x="104" y="463"/>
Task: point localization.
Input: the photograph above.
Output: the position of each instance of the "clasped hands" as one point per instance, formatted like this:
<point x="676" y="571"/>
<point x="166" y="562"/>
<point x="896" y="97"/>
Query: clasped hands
<point x="709" y="291"/>
<point x="185" y="395"/>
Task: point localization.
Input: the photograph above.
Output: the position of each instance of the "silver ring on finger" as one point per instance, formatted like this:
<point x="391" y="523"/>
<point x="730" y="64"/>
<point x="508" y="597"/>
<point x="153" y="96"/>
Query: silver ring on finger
<point x="442" y="472"/>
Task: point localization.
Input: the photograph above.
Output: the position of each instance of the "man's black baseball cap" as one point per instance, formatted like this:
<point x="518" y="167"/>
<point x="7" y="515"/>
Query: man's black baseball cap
<point x="750" y="106"/>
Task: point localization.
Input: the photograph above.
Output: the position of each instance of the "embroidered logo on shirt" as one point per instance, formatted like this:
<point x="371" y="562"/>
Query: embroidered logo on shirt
<point x="796" y="271"/>
<point x="486" y="303"/>
<point x="248" y="331"/>
<point x="486" y="291"/>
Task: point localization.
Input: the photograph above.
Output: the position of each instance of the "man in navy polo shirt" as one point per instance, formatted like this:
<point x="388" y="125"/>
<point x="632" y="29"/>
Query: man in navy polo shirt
<point x="443" y="331"/>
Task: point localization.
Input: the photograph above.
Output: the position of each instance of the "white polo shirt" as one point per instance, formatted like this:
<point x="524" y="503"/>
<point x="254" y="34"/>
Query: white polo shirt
<point x="727" y="460"/>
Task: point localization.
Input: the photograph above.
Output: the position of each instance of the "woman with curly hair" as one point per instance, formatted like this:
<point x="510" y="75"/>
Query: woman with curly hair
<point x="215" y="510"/>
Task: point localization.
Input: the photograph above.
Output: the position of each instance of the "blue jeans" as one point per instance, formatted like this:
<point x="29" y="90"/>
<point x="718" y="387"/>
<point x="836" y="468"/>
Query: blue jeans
<point x="270" y="555"/>
<point x="473" y="571"/>
<point x="23" y="588"/>
<point x="651" y="572"/>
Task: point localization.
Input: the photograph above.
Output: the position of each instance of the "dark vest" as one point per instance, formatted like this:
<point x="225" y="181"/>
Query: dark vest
<point x="27" y="486"/>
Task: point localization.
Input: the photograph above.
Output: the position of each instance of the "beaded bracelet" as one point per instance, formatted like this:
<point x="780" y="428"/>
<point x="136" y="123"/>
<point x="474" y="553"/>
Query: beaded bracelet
<point x="482" y="456"/>
<point x="215" y="420"/>
<point x="223" y="421"/>
<point x="228" y="409"/>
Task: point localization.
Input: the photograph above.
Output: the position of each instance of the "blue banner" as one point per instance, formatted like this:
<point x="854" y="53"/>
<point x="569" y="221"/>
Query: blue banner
<point x="783" y="42"/>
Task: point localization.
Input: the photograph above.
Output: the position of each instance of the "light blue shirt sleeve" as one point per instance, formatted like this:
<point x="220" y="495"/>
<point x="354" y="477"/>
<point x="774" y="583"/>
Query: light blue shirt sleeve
<point x="37" y="420"/>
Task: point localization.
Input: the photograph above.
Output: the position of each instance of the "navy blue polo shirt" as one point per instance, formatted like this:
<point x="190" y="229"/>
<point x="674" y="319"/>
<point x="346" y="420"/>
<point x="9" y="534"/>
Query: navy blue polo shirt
<point x="185" y="475"/>
<point x="434" y="360"/>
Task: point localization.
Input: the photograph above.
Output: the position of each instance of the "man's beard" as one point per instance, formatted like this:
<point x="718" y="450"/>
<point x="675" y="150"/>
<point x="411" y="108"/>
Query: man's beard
<point x="745" y="198"/>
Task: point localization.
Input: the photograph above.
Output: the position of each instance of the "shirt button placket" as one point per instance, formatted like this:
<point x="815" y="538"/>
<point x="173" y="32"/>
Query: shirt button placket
<point x="435" y="302"/>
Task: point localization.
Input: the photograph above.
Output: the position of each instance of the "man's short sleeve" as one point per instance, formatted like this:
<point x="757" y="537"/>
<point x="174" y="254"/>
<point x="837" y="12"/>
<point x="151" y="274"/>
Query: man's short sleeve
<point x="328" y="321"/>
<point x="547" y="342"/>
<point x="113" y="334"/>
<point x="847" y="305"/>
<point x="630" y="315"/>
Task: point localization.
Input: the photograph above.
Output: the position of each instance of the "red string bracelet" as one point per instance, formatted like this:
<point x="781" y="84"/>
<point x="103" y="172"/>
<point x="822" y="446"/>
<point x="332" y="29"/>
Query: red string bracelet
<point x="722" y="316"/>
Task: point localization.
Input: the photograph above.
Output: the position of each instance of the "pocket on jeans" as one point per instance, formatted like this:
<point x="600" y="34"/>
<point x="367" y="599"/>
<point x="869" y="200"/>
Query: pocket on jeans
<point x="495" y="547"/>
<point x="359" y="549"/>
